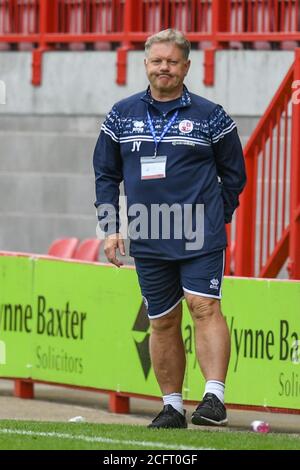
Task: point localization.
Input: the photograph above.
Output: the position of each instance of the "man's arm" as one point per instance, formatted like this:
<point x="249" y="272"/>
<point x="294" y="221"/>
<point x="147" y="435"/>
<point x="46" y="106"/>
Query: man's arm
<point x="229" y="159"/>
<point x="108" y="176"/>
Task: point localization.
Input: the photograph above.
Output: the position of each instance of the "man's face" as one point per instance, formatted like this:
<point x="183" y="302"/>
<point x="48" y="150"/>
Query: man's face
<point x="166" y="68"/>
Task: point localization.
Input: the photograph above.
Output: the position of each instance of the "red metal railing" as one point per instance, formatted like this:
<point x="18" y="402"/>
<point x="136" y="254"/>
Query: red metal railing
<point x="209" y="24"/>
<point x="82" y="17"/>
<point x="268" y="222"/>
<point x="241" y="18"/>
<point x="189" y="16"/>
<point x="264" y="16"/>
<point x="86" y="20"/>
<point x="19" y="21"/>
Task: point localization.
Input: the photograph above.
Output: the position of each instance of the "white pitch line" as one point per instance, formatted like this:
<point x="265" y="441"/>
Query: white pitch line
<point x="106" y="440"/>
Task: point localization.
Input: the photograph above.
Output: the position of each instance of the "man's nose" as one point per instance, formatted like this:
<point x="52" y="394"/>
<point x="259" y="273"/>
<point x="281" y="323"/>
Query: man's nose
<point x="164" y="65"/>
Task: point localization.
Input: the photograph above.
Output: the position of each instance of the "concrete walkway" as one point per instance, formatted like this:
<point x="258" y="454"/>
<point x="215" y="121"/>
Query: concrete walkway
<point x="54" y="403"/>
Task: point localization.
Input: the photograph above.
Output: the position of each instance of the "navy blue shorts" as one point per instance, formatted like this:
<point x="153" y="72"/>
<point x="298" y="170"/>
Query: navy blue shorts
<point x="164" y="282"/>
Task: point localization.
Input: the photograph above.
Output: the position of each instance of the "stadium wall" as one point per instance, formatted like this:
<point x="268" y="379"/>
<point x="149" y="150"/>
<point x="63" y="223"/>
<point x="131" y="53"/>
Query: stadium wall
<point x="48" y="133"/>
<point x="74" y="323"/>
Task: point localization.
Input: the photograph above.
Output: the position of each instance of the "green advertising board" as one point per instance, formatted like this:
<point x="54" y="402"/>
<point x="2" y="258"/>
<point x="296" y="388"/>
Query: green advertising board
<point x="85" y="325"/>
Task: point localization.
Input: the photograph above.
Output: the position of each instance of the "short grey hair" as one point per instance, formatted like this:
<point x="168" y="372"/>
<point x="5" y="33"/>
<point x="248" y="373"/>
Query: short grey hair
<point x="169" y="35"/>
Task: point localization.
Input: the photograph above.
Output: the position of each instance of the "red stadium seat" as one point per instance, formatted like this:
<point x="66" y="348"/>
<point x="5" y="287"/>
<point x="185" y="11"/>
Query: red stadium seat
<point x="88" y="250"/>
<point x="63" y="247"/>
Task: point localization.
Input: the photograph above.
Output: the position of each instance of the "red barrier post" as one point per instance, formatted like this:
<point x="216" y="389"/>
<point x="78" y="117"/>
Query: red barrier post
<point x="220" y="19"/>
<point x="209" y="66"/>
<point x="294" y="248"/>
<point x="229" y="252"/>
<point x="23" y="389"/>
<point x="44" y="15"/>
<point x="245" y="225"/>
<point x="118" y="403"/>
<point x="126" y="44"/>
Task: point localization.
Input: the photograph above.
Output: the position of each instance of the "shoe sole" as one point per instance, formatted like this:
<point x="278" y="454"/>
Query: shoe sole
<point x="202" y="421"/>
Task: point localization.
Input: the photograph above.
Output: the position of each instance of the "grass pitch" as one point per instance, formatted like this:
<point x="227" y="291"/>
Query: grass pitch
<point x="29" y="435"/>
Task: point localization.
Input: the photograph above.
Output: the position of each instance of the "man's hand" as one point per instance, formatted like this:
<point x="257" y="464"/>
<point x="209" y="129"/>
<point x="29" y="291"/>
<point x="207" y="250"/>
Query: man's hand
<point x="113" y="243"/>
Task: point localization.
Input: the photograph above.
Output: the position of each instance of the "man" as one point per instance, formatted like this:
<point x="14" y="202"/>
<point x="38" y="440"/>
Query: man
<point x="174" y="149"/>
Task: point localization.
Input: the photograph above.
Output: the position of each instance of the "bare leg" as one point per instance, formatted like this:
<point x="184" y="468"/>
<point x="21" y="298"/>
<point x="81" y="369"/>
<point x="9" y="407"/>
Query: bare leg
<point x="167" y="351"/>
<point x="212" y="336"/>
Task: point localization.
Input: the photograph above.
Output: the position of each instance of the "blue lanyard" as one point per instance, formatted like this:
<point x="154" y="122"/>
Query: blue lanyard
<point x="165" y="130"/>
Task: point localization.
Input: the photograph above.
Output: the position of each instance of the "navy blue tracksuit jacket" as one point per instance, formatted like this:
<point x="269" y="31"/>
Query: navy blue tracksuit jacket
<point x="205" y="165"/>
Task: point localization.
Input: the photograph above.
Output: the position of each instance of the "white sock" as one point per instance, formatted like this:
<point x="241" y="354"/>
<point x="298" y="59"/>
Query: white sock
<point x="215" y="387"/>
<point x="174" y="399"/>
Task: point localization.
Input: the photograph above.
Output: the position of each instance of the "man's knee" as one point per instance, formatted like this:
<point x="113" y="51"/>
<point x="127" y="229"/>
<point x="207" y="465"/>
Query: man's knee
<point x="202" y="308"/>
<point x="167" y="322"/>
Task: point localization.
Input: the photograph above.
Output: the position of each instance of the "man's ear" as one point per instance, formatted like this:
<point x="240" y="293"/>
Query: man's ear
<point x="188" y="64"/>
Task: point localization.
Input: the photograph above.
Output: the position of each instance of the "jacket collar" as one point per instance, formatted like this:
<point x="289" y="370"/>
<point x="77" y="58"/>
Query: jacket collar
<point x="185" y="99"/>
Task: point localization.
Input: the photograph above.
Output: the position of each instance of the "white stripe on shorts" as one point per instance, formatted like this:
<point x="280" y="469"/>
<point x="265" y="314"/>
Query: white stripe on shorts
<point x="201" y="294"/>
<point x="166" y="311"/>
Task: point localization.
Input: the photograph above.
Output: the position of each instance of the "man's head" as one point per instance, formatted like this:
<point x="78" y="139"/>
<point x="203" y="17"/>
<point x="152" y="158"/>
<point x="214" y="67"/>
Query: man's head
<point x="167" y="63"/>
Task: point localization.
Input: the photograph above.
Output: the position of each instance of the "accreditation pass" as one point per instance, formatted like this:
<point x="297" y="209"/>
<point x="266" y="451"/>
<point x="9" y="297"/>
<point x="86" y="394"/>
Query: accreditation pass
<point x="153" y="167"/>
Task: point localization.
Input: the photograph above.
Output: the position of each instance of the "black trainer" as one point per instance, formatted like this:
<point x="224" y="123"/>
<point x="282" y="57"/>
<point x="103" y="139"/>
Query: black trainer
<point x="210" y="412"/>
<point x="169" y="418"/>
